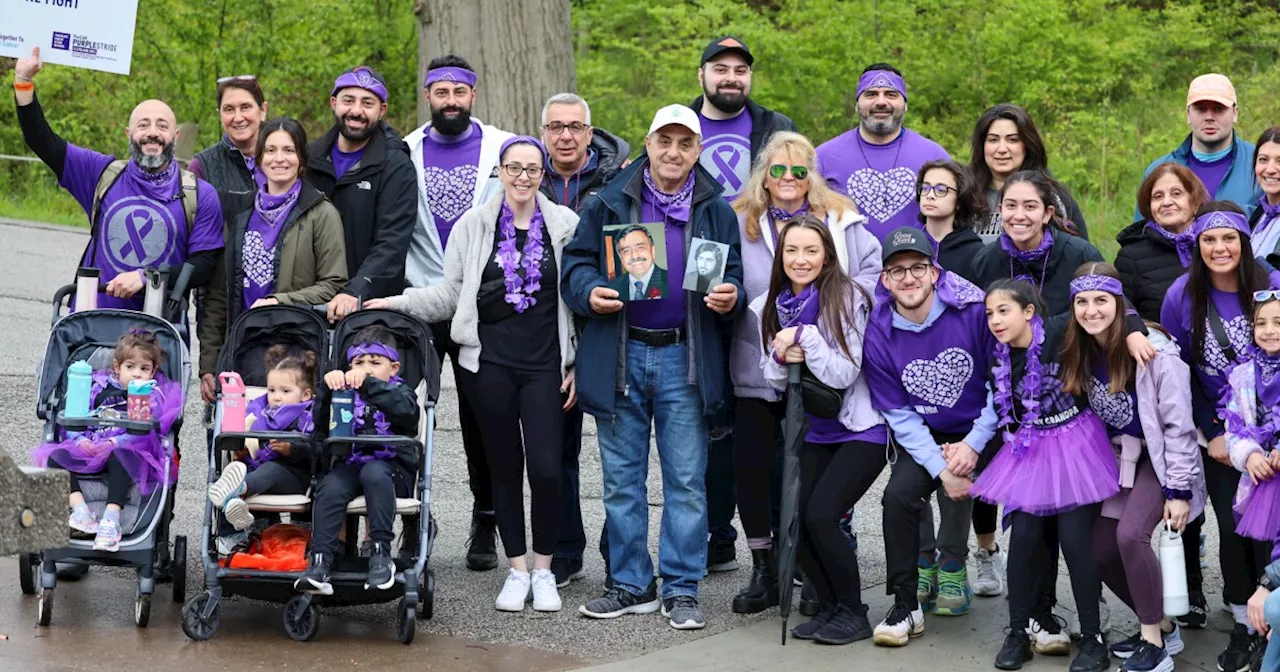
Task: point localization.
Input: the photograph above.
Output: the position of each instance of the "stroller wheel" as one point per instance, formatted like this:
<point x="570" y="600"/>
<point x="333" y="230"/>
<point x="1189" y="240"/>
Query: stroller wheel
<point x="142" y="610"/>
<point x="27" y="565"/>
<point x="301" y="618"/>
<point x="194" y="624"/>
<point x="44" y="612"/>
<point x="406" y="622"/>
<point x="179" y="569"/>
<point x="427" y="595"/>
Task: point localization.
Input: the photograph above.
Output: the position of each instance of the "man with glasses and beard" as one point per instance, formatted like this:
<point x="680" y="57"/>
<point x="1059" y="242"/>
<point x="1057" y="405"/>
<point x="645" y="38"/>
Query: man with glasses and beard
<point x="139" y="210"/>
<point x="455" y="158"/>
<point x="876" y="163"/>
<point x="363" y="167"/>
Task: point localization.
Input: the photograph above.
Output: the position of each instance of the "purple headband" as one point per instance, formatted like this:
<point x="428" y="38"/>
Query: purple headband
<point x="1221" y="220"/>
<point x="450" y="74"/>
<point x="881" y="79"/>
<point x="1096" y="283"/>
<point x="522" y="140"/>
<point x="360" y="77"/>
<point x="372" y="349"/>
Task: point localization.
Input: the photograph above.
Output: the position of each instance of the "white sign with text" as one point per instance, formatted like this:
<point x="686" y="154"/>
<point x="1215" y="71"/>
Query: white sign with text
<point x="93" y="34"/>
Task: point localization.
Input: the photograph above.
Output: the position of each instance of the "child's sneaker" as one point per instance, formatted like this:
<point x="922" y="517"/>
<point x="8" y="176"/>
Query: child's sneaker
<point x="238" y="514"/>
<point x="229" y="484"/>
<point x="316" y="578"/>
<point x="382" y="571"/>
<point x="82" y="520"/>
<point x="545" y="595"/>
<point x="108" y="537"/>
<point x="515" y="591"/>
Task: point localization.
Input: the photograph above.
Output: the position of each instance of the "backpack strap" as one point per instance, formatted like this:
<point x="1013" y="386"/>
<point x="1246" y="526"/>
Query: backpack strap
<point x="1220" y="333"/>
<point x="189" y="192"/>
<point x="109" y="176"/>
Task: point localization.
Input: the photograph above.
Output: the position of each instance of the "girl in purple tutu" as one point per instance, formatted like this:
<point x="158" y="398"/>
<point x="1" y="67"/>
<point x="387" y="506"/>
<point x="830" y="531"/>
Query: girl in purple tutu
<point x="1252" y="416"/>
<point x="1147" y="413"/>
<point x="126" y="460"/>
<point x="279" y="468"/>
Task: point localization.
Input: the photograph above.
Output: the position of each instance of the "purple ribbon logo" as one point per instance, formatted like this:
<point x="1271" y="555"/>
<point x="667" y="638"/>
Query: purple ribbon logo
<point x="728" y="159"/>
<point x="138" y="233"/>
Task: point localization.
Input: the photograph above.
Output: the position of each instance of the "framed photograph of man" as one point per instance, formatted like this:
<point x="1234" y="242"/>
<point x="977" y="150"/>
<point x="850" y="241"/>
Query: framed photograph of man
<point x="706" y="267"/>
<point x="635" y="261"/>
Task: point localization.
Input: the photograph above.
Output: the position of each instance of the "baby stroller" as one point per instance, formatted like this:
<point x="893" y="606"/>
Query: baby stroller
<point x="145" y="521"/>
<point x="250" y="336"/>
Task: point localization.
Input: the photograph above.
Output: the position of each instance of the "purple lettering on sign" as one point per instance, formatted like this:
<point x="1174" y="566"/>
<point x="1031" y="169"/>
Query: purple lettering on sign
<point x="61" y="41"/>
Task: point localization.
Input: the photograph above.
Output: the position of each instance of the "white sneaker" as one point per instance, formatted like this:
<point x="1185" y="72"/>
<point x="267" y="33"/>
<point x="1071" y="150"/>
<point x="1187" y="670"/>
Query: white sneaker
<point x="899" y="626"/>
<point x="515" y="592"/>
<point x="988" y="580"/>
<point x="545" y="595"/>
<point x="229" y="484"/>
<point x="1049" y="639"/>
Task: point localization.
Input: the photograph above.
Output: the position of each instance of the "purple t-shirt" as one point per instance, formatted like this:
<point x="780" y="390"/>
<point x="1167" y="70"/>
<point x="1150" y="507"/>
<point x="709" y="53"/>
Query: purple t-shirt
<point x="667" y="312"/>
<point x="1119" y="412"/>
<point x="138" y="230"/>
<point x="881" y="179"/>
<point x="449" y="167"/>
<point x="726" y="151"/>
<point x="1210" y="173"/>
<point x="1211" y="367"/>
<point x="343" y="161"/>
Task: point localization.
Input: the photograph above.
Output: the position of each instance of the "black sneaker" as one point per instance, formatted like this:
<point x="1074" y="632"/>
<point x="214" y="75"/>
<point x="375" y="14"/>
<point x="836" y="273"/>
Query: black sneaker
<point x="1148" y="657"/>
<point x="821" y="617"/>
<point x="1015" y="652"/>
<point x="618" y="602"/>
<point x="316" y="578"/>
<point x="721" y="557"/>
<point x="1238" y="657"/>
<point x="849" y="624"/>
<point x="1092" y="657"/>
<point x="1128" y="646"/>
<point x="482" y="547"/>
<point x="382" y="571"/>
<point x="809" y="603"/>
<point x="566" y="570"/>
<point x="1198" y="617"/>
<point x="684" y="613"/>
<point x="408" y="554"/>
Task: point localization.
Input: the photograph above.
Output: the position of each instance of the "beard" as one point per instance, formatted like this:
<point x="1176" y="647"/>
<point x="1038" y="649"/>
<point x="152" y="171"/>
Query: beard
<point x="881" y="128"/>
<point x="446" y="125"/>
<point x="925" y="297"/>
<point x="371" y="125"/>
<point x="727" y="101"/>
<point x="147" y="162"/>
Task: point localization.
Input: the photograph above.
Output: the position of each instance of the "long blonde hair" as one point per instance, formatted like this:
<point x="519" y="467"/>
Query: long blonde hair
<point x="754" y="199"/>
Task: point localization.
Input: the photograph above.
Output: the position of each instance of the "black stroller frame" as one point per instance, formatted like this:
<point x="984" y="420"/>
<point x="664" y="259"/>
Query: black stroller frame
<point x="414" y="586"/>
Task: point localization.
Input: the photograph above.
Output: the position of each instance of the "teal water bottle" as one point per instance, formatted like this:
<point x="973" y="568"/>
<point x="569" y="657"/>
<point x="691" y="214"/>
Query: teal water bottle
<point x="79" y="384"/>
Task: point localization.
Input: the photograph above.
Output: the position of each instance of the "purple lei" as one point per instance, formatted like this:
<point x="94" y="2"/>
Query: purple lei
<point x="381" y="426"/>
<point x="1019" y="441"/>
<point x="792" y="307"/>
<point x="1266" y="372"/>
<point x="1184" y="242"/>
<point x="1039" y="254"/>
<point x="520" y="291"/>
<point x="271" y="208"/>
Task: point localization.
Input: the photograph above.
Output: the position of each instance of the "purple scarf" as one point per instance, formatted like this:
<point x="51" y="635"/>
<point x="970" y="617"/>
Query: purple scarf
<point x="160" y="186"/>
<point x="283" y="418"/>
<point x="275" y="209"/>
<point x="258" y="252"/>
<point x="381" y="427"/>
<point x="1185" y="242"/>
<point x="1019" y="441"/>
<point x="520" y="290"/>
<point x="677" y="206"/>
<point x="1037" y="255"/>
<point x="1266" y="372"/>
<point x="795" y="309"/>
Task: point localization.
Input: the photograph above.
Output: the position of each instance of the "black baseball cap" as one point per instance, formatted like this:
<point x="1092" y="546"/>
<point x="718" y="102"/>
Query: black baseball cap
<point x="906" y="239"/>
<point x="727" y="43"/>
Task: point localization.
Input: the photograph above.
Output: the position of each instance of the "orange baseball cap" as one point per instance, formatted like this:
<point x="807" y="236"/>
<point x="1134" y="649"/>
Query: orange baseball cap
<point x="1213" y="87"/>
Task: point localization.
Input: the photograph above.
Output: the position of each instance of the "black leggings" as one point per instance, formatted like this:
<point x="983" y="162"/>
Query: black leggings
<point x="833" y="477"/>
<point x="118" y="480"/>
<point x="1242" y="559"/>
<point x="755" y="440"/>
<point x="1027" y="556"/>
<point x="477" y="467"/>
<point x="507" y="400"/>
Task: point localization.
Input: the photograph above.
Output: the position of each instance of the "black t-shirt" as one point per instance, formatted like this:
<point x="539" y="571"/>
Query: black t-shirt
<point x="528" y="340"/>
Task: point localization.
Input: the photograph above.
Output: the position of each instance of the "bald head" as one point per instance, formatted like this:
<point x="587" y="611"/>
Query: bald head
<point x="152" y="133"/>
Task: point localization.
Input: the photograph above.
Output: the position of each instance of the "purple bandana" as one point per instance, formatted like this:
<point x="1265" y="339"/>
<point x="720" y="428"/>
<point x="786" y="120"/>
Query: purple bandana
<point x="780" y="215"/>
<point x="881" y="79"/>
<point x="1269" y="210"/>
<point x="1266" y="371"/>
<point x="159" y="186"/>
<point x="520" y="290"/>
<point x="372" y="349"/>
<point x="1185" y="242"/>
<point x="678" y="205"/>
<point x="381" y="427"/>
<point x="363" y="78"/>
<point x="1096" y="283"/>
<point x="450" y="74"/>
<point x="1037" y="255"/>
<point x="795" y="309"/>
<point x="522" y="140"/>
<point x="248" y="160"/>
<point x="1221" y="220"/>
<point x="282" y="418"/>
<point x="275" y="209"/>
<point x="1020" y="440"/>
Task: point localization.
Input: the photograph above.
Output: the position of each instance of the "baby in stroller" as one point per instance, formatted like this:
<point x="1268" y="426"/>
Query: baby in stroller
<point x="277" y="468"/>
<point x="384" y="406"/>
<point x="125" y="459"/>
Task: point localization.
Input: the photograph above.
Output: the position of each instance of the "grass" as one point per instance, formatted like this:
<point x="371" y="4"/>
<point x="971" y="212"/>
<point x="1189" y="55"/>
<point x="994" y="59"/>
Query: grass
<point x="29" y="191"/>
<point x="1106" y="218"/>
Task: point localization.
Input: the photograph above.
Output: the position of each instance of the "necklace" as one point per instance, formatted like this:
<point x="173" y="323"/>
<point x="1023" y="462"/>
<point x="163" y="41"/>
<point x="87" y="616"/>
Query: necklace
<point x="880" y="176"/>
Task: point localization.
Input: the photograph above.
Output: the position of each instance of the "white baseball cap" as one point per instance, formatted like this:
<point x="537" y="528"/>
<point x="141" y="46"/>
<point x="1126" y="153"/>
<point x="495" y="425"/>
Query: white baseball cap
<point x="678" y="115"/>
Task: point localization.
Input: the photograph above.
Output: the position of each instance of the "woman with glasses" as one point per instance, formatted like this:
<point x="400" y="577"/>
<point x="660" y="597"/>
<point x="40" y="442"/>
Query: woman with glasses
<point x="783" y="187"/>
<point x="1209" y="310"/>
<point x="950" y="207"/>
<point x="1006" y="141"/>
<point x="229" y="164"/>
<point x="501" y="291"/>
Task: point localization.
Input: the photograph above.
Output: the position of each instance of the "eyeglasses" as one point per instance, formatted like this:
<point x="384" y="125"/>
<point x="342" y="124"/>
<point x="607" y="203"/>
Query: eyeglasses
<point x="897" y="273"/>
<point x="236" y="78"/>
<point x="574" y="128"/>
<point x="1266" y="295"/>
<point x="514" y="170"/>
<point x="938" y="190"/>
<point x="777" y="171"/>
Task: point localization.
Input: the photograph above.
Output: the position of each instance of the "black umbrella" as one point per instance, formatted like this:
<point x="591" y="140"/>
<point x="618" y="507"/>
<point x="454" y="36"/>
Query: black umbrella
<point x="794" y="427"/>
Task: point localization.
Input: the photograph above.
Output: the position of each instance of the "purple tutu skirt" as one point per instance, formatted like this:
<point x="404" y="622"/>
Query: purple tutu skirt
<point x="86" y="455"/>
<point x="1258" y="514"/>
<point x="1064" y="468"/>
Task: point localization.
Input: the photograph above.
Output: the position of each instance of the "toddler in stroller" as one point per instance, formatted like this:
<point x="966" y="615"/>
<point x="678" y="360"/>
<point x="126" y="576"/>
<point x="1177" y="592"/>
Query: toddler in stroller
<point x="278" y="468"/>
<point x="384" y="406"/>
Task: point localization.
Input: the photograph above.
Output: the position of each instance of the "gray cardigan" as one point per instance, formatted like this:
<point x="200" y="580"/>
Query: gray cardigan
<point x="470" y="249"/>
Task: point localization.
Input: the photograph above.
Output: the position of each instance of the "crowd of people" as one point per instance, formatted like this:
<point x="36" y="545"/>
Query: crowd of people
<point x="952" y="322"/>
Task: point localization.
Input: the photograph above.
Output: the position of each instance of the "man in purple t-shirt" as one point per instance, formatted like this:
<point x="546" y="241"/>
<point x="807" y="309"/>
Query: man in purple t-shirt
<point x="141" y="222"/>
<point x="875" y="164"/>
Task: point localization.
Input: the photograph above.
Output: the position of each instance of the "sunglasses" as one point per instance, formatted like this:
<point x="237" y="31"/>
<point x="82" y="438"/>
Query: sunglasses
<point x="236" y="78"/>
<point x="1266" y="295"/>
<point x="777" y="171"/>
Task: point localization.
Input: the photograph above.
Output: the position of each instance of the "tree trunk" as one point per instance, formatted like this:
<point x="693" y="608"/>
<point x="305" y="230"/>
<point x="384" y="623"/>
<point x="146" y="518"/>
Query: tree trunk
<point x="522" y="52"/>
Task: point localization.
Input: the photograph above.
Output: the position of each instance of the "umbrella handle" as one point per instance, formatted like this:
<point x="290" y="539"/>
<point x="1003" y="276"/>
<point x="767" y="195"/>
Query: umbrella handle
<point x="794" y="373"/>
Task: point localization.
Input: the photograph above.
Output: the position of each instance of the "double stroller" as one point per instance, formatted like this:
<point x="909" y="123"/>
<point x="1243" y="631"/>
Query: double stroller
<point x="90" y="335"/>
<point x="247" y="342"/>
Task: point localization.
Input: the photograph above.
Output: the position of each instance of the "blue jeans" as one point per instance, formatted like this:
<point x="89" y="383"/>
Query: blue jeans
<point x="658" y="393"/>
<point x="1271" y="662"/>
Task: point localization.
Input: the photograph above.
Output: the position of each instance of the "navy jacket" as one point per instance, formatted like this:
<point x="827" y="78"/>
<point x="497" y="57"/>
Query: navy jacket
<point x="601" y="358"/>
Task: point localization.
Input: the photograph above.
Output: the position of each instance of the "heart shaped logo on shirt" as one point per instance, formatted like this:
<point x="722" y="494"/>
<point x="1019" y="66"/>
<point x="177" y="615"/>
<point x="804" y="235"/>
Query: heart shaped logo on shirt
<point x="449" y="192"/>
<point x="1115" y="409"/>
<point x="881" y="195"/>
<point x="258" y="261"/>
<point x="939" y="381"/>
<point x="1239" y="333"/>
